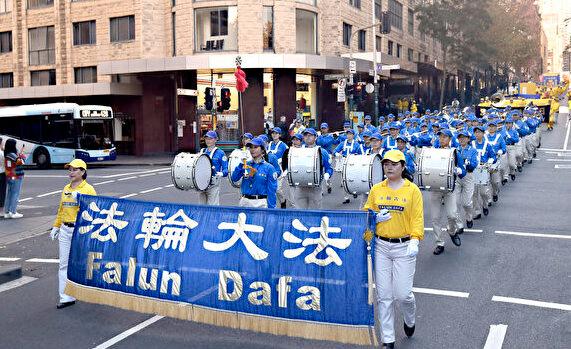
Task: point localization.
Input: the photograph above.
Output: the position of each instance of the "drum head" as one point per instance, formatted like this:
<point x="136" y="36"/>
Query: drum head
<point x="233" y="161"/>
<point x="202" y="172"/>
<point x="376" y="169"/>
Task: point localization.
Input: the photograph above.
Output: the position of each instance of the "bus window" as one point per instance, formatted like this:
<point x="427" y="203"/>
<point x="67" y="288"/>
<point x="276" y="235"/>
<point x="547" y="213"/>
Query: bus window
<point x="62" y="134"/>
<point x="91" y="128"/>
<point x="11" y="127"/>
<point x="32" y="132"/>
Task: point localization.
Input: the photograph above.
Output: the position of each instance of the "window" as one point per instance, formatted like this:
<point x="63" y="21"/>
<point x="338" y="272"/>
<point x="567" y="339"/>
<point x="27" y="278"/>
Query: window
<point x="309" y="2"/>
<point x="411" y="22"/>
<point x="419" y="57"/>
<point x="395" y="13"/>
<point x="347" y="28"/>
<point x="268" y="21"/>
<point x="390" y="47"/>
<point x="41" y="46"/>
<point x="306" y="31"/>
<point x="425" y="58"/>
<point x="85" y="75"/>
<point x="39" y="3"/>
<point x="43" y="77"/>
<point x="399" y="50"/>
<point x="6" y="80"/>
<point x="5" y="6"/>
<point x="216" y="29"/>
<point x="422" y="37"/>
<point x="122" y="28"/>
<point x="410" y="55"/>
<point x="5" y="42"/>
<point x="378" y="43"/>
<point x="355" y="3"/>
<point x="362" y="40"/>
<point x="378" y="9"/>
<point x="84" y="33"/>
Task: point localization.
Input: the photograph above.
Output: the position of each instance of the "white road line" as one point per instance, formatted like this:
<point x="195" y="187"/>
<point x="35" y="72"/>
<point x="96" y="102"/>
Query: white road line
<point x="25" y="199"/>
<point x="148" y="174"/>
<point x="567" y="137"/>
<point x="127" y="178"/>
<point x="131" y="173"/>
<point x="150" y="190"/>
<point x="129" y="332"/>
<point x="553" y="149"/>
<point x="441" y="292"/>
<point x="562" y="167"/>
<point x="105" y="182"/>
<point x="516" y="233"/>
<point x="496" y="337"/>
<point x="557" y="160"/>
<point x="50" y="193"/>
<point x="164" y="172"/>
<point x="16" y="283"/>
<point x="169" y="186"/>
<point x="128" y="196"/>
<point x="43" y="260"/>
<point x="558" y="306"/>
<point x="466" y="230"/>
<point x="9" y="259"/>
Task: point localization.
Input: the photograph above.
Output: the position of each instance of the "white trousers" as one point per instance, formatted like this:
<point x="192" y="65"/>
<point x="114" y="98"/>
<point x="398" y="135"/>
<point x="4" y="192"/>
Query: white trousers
<point x="281" y="194"/>
<point x="307" y="197"/>
<point x="211" y="196"/>
<point x="465" y="204"/>
<point x="512" y="162"/>
<point x="64" y="238"/>
<point x="394" y="276"/>
<point x="451" y="209"/>
<point x="482" y="196"/>
<point x="256" y="203"/>
<point x="496" y="176"/>
<point x="505" y="166"/>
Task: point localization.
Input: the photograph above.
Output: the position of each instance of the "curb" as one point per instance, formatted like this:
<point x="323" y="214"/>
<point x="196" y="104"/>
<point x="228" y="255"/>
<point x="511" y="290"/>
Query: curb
<point x="10" y="273"/>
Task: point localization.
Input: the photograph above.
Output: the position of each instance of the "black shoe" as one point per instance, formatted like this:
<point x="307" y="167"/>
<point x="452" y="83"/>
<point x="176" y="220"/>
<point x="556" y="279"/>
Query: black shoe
<point x="539" y="146"/>
<point x="478" y="216"/>
<point x="64" y="305"/>
<point x="469" y="224"/>
<point x="456" y="239"/>
<point x="329" y="190"/>
<point x="519" y="169"/>
<point x="284" y="204"/>
<point x="504" y="181"/>
<point x="438" y="250"/>
<point x="346" y="201"/>
<point x="495" y="198"/>
<point x="534" y="155"/>
<point x="389" y="345"/>
<point x="355" y="196"/>
<point x="489" y="204"/>
<point x="486" y="211"/>
<point x="409" y="331"/>
<point x="460" y="231"/>
<point x="512" y="177"/>
<point x="529" y="161"/>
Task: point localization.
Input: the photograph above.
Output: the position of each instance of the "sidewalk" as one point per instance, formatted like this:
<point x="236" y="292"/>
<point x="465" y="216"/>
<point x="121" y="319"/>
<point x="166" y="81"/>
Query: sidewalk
<point x="131" y="160"/>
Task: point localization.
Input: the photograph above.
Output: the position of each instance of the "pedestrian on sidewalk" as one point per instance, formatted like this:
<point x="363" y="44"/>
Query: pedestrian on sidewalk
<point x="399" y="226"/>
<point x="2" y="176"/>
<point x="14" y="170"/>
<point x="65" y="221"/>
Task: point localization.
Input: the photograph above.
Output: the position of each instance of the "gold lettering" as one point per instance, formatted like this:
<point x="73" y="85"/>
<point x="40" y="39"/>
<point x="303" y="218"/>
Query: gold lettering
<point x="143" y="284"/>
<point x="113" y="276"/>
<point x="263" y="290"/>
<point x="91" y="264"/>
<point x="283" y="289"/>
<point x="223" y="277"/>
<point x="165" y="278"/>
<point x="131" y="272"/>
<point x="311" y="301"/>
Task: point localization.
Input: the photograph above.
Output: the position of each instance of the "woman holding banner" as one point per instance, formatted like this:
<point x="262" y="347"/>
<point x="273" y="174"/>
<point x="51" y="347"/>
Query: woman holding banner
<point x="65" y="221"/>
<point x="398" y="207"/>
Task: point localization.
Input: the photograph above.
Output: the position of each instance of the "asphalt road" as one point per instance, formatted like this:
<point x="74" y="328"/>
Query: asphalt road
<point x="495" y="260"/>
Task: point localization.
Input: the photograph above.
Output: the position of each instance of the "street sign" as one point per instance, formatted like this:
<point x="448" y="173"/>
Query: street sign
<point x="352" y="67"/>
<point x="371" y="72"/>
<point x="333" y="76"/>
<point x="387" y="67"/>
<point x="186" y="92"/>
<point x="370" y="88"/>
<point x="341" y="84"/>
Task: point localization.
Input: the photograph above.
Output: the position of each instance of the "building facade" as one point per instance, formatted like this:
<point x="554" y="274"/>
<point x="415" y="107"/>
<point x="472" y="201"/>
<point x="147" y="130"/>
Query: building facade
<point x="155" y="61"/>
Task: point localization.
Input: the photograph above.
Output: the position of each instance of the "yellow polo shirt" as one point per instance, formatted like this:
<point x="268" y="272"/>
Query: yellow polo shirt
<point x="68" y="207"/>
<point x="405" y="206"/>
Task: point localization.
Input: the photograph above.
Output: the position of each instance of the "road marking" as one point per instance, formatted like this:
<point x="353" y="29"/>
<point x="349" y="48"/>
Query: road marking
<point x="553" y="149"/>
<point x="133" y="173"/>
<point x="567" y="137"/>
<point x="129" y="332"/>
<point x="441" y="292"/>
<point x="50" y="193"/>
<point x="466" y="230"/>
<point x="496" y="337"/>
<point x="9" y="259"/>
<point x="25" y="199"/>
<point x="127" y="178"/>
<point x="148" y="174"/>
<point x="105" y="182"/>
<point x="165" y="172"/>
<point x="43" y="260"/>
<point x="558" y="306"/>
<point x="16" y="283"/>
<point x="150" y="190"/>
<point x="128" y="196"/>
<point x="562" y="167"/>
<point x="169" y="186"/>
<point x="558" y="160"/>
<point x="552" y="236"/>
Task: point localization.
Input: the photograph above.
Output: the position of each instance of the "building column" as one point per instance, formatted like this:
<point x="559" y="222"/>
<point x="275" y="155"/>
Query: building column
<point x="253" y="102"/>
<point x="185" y="112"/>
<point x="330" y="111"/>
<point x="284" y="94"/>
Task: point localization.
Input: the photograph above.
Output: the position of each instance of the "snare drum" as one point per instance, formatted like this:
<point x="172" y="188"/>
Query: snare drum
<point x="361" y="172"/>
<point x="481" y="175"/>
<point x="436" y="169"/>
<point x="304" y="167"/>
<point x="191" y="171"/>
<point x="236" y="157"/>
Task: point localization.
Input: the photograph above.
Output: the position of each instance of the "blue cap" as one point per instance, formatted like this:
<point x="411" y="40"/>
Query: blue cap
<point x="347" y="124"/>
<point x="492" y="122"/>
<point x="479" y="127"/>
<point x="390" y="116"/>
<point x="424" y="124"/>
<point x="445" y="132"/>
<point x="248" y="135"/>
<point x="211" y="134"/>
<point x="464" y="133"/>
<point x="264" y="137"/>
<point x="350" y="131"/>
<point x="509" y="119"/>
<point x="377" y="135"/>
<point x="324" y="125"/>
<point x="361" y="125"/>
<point x="367" y="117"/>
<point x="402" y="138"/>
<point x="367" y="134"/>
<point x="298" y="136"/>
<point x="427" y="111"/>
<point x="310" y="131"/>
<point x="277" y="130"/>
<point x="257" y="142"/>
<point x="381" y="118"/>
<point x="394" y="125"/>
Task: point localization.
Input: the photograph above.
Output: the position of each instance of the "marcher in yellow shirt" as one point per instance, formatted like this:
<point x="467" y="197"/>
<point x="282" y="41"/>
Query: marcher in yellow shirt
<point x="65" y="221"/>
<point x="399" y="227"/>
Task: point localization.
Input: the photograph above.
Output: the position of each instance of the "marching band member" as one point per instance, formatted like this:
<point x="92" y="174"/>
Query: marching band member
<point x="499" y="145"/>
<point x="449" y="199"/>
<point x="359" y="134"/>
<point x="259" y="178"/>
<point x="310" y="197"/>
<point x="523" y="131"/>
<point x="348" y="146"/>
<point x="368" y="126"/>
<point x="343" y="135"/>
<point x="376" y="142"/>
<point x="211" y="196"/>
<point x="327" y="142"/>
<point x="297" y="140"/>
<point x="391" y="141"/>
<point x="366" y="141"/>
<point x="512" y="137"/>
<point x="466" y="190"/>
<point x="486" y="157"/>
<point x="399" y="227"/>
<point x="402" y="141"/>
<point x="278" y="148"/>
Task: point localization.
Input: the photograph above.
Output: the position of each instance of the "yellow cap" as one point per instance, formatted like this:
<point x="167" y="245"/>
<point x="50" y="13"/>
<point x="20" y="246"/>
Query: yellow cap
<point x="394" y="156"/>
<point x="77" y="163"/>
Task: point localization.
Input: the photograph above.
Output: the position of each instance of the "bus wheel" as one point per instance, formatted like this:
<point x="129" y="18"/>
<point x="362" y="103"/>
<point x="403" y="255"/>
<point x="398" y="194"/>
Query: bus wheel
<point x="42" y="158"/>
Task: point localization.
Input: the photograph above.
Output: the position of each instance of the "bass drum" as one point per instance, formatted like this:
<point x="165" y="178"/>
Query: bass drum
<point x="361" y="172"/>
<point x="436" y="169"/>
<point x="304" y="167"/>
<point x="191" y="171"/>
<point x="236" y="157"/>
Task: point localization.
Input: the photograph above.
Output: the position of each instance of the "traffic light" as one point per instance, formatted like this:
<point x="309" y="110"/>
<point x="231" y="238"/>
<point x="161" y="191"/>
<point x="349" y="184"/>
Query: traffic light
<point x="219" y="107"/>
<point x="208" y="96"/>
<point x="225" y="98"/>
<point x="385" y="23"/>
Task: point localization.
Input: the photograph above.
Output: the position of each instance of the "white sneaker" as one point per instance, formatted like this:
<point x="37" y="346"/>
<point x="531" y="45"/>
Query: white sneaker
<point x="7" y="215"/>
<point x="17" y="215"/>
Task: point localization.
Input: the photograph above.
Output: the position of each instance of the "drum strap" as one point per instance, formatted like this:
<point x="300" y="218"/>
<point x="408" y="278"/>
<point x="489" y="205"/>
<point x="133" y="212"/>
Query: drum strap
<point x="482" y="151"/>
<point x="210" y="154"/>
<point x="275" y="148"/>
<point x="348" y="149"/>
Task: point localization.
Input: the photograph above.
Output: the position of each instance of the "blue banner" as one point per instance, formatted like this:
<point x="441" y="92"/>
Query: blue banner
<point x="308" y="266"/>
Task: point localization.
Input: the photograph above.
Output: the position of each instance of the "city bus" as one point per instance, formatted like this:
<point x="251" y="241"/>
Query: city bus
<point x="57" y="133"/>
